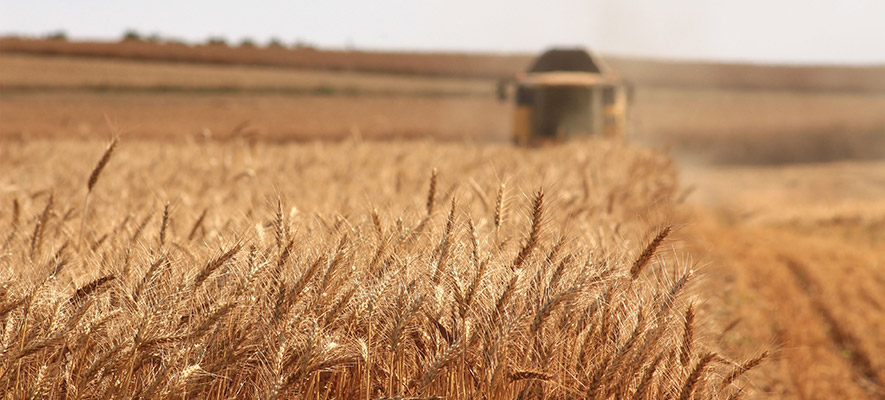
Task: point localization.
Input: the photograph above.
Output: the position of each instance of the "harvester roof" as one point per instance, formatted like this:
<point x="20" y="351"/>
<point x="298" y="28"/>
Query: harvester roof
<point x="567" y="67"/>
<point x="565" y="60"/>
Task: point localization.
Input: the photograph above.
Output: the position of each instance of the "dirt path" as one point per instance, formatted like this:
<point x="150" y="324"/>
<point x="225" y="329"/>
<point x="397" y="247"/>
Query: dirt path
<point x="809" y="286"/>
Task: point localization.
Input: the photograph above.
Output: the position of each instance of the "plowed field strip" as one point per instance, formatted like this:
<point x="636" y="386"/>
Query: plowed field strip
<point x="807" y="296"/>
<point x="843" y="341"/>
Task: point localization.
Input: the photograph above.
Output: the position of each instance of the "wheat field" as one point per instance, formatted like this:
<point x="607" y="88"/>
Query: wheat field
<point x="364" y="270"/>
<point x="366" y="232"/>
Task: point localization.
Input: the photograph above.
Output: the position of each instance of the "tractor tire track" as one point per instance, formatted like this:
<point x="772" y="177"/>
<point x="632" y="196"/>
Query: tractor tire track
<point x="859" y="361"/>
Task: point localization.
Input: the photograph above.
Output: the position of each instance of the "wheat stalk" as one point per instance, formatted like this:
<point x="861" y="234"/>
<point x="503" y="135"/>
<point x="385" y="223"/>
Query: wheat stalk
<point x="648" y="252"/>
<point x="198" y="224"/>
<point x="164" y="224"/>
<point x="93" y="179"/>
<point x="687" y="337"/>
<point x="535" y="231"/>
<point x="89" y="288"/>
<point x="431" y="192"/>
<point x="499" y="209"/>
<point x="13" y="222"/>
<point x="744" y="367"/>
<point x="697" y="373"/>
<point x="40" y="227"/>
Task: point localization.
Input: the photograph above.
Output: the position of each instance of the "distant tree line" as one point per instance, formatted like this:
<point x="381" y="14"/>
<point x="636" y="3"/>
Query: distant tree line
<point x="132" y="35"/>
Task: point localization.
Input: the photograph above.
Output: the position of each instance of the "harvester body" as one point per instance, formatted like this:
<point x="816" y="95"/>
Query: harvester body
<point x="567" y="93"/>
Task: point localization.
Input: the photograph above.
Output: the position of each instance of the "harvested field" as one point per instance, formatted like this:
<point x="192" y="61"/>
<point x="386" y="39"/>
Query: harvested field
<point x="23" y="73"/>
<point x="797" y="259"/>
<point x="837" y="128"/>
<point x="430" y="64"/>
<point x="68" y="97"/>
<point x="273" y="117"/>
<point x="762" y="126"/>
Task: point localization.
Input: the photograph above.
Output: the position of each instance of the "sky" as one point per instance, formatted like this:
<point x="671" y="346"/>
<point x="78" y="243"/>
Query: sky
<point x="757" y="31"/>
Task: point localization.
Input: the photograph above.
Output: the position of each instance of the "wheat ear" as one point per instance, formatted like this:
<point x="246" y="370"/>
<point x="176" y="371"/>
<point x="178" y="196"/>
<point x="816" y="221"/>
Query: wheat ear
<point x="93" y="179"/>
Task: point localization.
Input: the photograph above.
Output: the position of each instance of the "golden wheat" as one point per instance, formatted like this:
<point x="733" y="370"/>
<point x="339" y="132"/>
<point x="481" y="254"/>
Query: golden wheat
<point x="337" y="302"/>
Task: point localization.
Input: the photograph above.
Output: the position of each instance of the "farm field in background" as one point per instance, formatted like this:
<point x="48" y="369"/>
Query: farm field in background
<point x="29" y="72"/>
<point x="490" y="66"/>
<point x="724" y="125"/>
<point x="272" y="117"/>
<point x="428" y="64"/>
<point x="337" y="256"/>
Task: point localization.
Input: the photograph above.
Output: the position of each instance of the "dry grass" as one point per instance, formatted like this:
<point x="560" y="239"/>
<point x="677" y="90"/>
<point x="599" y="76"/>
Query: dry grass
<point x="345" y="271"/>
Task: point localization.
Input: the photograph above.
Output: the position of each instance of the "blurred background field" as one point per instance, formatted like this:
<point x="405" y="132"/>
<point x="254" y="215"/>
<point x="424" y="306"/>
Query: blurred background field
<point x="718" y="113"/>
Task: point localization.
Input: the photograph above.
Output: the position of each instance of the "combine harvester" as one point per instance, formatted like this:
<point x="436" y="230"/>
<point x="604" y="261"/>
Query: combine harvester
<point x="566" y="93"/>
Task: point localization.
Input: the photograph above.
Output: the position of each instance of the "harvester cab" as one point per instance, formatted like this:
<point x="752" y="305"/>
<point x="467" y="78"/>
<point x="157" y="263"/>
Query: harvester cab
<point x="566" y="93"/>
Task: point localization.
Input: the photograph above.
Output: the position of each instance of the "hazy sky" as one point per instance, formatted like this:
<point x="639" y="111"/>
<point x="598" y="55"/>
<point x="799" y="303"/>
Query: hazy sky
<point x="784" y="31"/>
